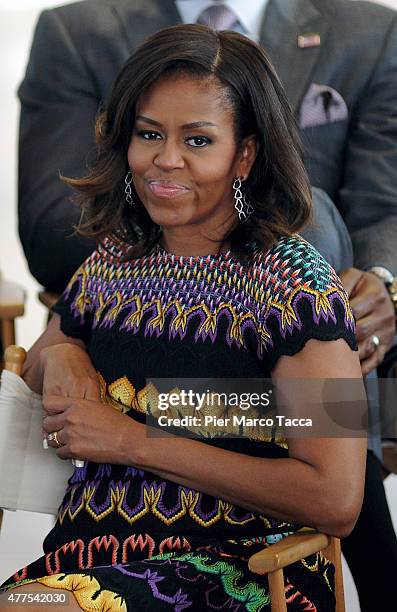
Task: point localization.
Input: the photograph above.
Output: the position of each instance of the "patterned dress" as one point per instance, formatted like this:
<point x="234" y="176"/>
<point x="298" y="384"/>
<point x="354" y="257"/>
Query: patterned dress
<point x="124" y="538"/>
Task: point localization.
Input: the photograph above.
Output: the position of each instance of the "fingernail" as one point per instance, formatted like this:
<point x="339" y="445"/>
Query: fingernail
<point x="45" y="444"/>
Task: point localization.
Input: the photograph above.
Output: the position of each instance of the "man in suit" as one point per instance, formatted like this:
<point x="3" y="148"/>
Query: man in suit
<point x="338" y="63"/>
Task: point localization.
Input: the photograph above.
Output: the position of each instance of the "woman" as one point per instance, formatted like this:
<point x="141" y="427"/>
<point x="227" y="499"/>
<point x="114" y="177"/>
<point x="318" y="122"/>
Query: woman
<point x="195" y="198"/>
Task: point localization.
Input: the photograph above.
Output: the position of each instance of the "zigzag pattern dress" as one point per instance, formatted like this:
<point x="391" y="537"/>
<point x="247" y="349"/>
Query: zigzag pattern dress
<point x="124" y="538"/>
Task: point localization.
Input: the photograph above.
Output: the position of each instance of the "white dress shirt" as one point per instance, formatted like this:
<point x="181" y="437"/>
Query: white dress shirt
<point x="250" y="13"/>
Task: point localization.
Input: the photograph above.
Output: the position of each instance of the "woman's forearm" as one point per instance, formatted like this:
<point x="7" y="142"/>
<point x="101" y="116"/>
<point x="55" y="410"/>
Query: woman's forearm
<point x="32" y="374"/>
<point x="288" y="489"/>
<point x="34" y="367"/>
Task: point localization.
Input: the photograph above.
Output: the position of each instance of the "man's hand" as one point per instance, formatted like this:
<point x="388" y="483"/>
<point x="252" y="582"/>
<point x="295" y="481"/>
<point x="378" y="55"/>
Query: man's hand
<point x="90" y="430"/>
<point x="374" y="314"/>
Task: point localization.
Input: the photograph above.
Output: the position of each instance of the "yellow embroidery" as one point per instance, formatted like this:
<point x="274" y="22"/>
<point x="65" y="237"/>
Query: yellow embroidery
<point x="84" y="588"/>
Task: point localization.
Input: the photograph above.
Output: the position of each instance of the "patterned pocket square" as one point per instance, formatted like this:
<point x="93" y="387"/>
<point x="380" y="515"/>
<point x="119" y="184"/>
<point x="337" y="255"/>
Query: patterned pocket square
<point x="321" y="105"/>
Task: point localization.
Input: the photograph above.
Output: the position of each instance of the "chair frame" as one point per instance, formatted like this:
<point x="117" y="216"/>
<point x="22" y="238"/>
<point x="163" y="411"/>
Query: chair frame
<point x="12" y="299"/>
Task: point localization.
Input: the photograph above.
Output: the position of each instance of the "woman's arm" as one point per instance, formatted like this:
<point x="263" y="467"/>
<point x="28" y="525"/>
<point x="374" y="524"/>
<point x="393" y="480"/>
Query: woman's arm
<point x="320" y="484"/>
<point x="59" y="365"/>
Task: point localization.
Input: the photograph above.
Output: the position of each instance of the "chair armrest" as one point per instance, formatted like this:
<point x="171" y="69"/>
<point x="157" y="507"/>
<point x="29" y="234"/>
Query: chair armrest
<point x="12" y="299"/>
<point x="14" y="357"/>
<point x="287" y="551"/>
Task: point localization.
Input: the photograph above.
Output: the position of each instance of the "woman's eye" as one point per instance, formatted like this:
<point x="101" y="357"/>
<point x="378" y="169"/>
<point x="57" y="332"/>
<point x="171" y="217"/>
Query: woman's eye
<point x="149" y="135"/>
<point x="198" y="141"/>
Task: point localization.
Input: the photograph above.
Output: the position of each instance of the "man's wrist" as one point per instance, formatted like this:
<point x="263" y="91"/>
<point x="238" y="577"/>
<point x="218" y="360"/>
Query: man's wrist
<point x="383" y="273"/>
<point x="389" y="280"/>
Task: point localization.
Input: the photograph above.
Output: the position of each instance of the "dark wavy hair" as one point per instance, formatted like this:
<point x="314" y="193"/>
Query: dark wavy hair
<point x="277" y="185"/>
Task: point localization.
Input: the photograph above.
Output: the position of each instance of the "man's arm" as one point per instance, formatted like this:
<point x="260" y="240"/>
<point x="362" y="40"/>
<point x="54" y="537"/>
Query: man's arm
<point x="368" y="197"/>
<point x="59" y="103"/>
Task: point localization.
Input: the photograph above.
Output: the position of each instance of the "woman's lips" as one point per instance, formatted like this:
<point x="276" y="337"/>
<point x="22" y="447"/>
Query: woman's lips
<point x="165" y="189"/>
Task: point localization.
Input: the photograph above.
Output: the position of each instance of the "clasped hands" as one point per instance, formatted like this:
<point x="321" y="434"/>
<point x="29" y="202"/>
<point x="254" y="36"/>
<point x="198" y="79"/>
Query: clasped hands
<point x="374" y="313"/>
<point x="85" y="427"/>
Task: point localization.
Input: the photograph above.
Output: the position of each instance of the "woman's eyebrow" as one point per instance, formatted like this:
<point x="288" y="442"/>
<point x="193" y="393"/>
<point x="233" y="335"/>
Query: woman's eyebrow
<point x="198" y="124"/>
<point x="147" y="120"/>
<point x="186" y="126"/>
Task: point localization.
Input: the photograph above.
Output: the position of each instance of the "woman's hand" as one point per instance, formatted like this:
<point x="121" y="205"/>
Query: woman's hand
<point x="68" y="371"/>
<point x="90" y="430"/>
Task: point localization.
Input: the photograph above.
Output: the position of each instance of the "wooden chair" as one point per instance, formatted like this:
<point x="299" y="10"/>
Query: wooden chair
<point x="273" y="559"/>
<point x="12" y="305"/>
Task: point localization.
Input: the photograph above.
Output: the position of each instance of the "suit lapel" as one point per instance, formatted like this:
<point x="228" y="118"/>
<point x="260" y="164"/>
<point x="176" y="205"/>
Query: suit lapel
<point x="139" y="19"/>
<point x="284" y="21"/>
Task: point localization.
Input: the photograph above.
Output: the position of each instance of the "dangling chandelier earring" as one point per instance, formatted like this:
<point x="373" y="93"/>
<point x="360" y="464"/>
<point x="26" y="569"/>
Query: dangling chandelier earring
<point x="128" y="190"/>
<point x="241" y="203"/>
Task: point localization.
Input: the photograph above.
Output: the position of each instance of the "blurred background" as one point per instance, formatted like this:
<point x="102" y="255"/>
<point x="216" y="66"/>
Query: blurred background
<point x="22" y="533"/>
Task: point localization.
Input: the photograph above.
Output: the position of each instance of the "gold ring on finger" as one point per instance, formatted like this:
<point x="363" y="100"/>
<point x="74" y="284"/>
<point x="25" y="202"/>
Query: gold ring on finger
<point x="54" y="437"/>
<point x="375" y="341"/>
<point x="57" y="442"/>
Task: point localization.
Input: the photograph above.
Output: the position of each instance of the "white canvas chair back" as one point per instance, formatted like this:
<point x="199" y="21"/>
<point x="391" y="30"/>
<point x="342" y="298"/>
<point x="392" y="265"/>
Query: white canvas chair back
<point x="31" y="478"/>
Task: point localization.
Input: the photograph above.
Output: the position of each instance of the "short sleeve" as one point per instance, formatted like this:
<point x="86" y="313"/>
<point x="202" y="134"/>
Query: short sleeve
<point x="92" y="285"/>
<point x="75" y="305"/>
<point x="305" y="300"/>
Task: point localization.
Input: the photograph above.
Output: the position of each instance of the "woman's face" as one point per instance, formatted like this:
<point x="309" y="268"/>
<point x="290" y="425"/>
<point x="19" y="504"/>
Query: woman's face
<point x="184" y="157"/>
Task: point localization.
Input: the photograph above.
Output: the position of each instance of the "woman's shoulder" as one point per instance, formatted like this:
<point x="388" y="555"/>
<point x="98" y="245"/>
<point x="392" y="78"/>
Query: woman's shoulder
<point x="112" y="250"/>
<point x="292" y="263"/>
<point x="109" y="254"/>
<point x="303" y="298"/>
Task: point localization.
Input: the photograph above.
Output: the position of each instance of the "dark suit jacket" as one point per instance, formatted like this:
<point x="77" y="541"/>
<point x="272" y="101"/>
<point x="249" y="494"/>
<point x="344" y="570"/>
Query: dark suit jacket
<point x="79" y="48"/>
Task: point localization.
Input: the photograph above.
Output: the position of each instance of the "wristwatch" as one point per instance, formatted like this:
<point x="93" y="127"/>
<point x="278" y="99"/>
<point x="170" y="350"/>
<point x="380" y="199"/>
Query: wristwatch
<point x="390" y="282"/>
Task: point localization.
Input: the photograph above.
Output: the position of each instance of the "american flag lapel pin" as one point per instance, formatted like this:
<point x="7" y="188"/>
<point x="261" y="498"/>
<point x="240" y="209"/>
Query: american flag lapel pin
<point x="311" y="39"/>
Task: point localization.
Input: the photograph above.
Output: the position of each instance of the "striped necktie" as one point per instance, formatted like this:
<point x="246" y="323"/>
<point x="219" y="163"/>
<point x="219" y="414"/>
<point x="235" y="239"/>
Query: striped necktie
<point x="220" y="17"/>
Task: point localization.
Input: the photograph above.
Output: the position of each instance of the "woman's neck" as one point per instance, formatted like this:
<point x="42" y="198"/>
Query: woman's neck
<point x="180" y="244"/>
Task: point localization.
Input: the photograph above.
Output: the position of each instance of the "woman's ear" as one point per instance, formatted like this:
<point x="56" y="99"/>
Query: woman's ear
<point x="247" y="156"/>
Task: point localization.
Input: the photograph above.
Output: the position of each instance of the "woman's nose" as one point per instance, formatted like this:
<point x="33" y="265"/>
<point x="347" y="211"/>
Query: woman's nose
<point x="169" y="157"/>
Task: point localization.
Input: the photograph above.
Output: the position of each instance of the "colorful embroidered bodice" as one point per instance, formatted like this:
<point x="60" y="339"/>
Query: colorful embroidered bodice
<point x="168" y="316"/>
